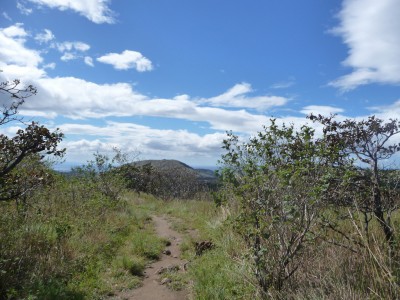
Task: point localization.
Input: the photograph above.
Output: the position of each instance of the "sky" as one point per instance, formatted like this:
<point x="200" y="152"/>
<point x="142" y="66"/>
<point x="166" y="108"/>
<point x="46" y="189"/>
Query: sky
<point x="168" y="79"/>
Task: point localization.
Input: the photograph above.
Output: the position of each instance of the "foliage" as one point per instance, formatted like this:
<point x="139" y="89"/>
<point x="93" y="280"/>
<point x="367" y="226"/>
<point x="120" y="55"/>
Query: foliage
<point x="17" y="95"/>
<point x="371" y="189"/>
<point x="27" y="143"/>
<point x="105" y="173"/>
<point x="73" y="242"/>
<point x="298" y="218"/>
<point x="227" y="272"/>
<point x="167" y="184"/>
<point x="291" y="189"/>
<point x="279" y="178"/>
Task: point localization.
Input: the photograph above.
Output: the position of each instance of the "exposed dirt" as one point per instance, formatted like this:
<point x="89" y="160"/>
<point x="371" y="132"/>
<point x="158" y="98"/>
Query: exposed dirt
<point x="154" y="287"/>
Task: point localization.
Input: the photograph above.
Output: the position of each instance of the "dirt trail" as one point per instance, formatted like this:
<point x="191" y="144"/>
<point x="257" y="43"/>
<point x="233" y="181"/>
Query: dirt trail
<point x="152" y="289"/>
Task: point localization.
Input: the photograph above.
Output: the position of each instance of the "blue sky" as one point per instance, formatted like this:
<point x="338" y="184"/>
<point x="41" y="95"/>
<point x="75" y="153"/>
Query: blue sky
<point x="169" y="78"/>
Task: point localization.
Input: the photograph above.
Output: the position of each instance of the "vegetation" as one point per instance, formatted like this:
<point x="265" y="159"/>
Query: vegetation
<point x="367" y="140"/>
<point x="291" y="190"/>
<point x="26" y="144"/>
<point x="64" y="237"/>
<point x="167" y="179"/>
<point x="299" y="215"/>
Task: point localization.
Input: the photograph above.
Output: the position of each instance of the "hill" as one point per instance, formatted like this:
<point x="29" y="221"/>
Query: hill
<point x="170" y="165"/>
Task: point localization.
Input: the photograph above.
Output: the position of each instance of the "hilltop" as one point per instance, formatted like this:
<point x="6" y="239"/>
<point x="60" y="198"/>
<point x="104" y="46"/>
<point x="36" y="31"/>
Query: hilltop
<point x="203" y="175"/>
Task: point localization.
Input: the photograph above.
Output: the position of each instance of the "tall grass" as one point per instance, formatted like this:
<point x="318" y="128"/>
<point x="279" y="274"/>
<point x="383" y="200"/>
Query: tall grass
<point x="331" y="268"/>
<point x="72" y="242"/>
<point x="223" y="272"/>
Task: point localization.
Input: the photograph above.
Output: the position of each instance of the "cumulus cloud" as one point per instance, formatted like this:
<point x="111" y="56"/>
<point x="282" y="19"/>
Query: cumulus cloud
<point x="45" y="37"/>
<point x="79" y="99"/>
<point x="237" y="97"/>
<point x="71" y="50"/>
<point x="144" y="135"/>
<point x="387" y="111"/>
<point x="89" y="61"/>
<point x="69" y="46"/>
<point x="127" y="60"/>
<point x="13" y="50"/>
<point x="321" y="109"/>
<point x="68" y="56"/>
<point x="96" y="11"/>
<point x="37" y="113"/>
<point x="50" y="66"/>
<point x="16" y="30"/>
<point x="370" y="29"/>
<point x="153" y="142"/>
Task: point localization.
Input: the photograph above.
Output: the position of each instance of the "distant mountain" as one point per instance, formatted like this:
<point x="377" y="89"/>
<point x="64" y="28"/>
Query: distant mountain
<point x="169" y="166"/>
<point x="163" y="164"/>
<point x="204" y="175"/>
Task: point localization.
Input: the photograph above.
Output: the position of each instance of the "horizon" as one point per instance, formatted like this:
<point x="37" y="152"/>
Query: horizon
<point x="67" y="167"/>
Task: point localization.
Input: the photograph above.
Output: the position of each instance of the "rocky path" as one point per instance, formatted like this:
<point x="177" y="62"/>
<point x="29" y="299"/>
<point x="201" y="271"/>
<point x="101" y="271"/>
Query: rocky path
<point x="155" y="286"/>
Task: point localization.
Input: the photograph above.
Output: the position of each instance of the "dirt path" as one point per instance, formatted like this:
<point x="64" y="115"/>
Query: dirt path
<point x="153" y="288"/>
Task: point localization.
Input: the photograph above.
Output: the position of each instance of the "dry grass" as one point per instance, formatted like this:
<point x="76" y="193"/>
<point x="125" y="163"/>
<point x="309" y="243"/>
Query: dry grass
<point x="327" y="271"/>
<point x="72" y="242"/>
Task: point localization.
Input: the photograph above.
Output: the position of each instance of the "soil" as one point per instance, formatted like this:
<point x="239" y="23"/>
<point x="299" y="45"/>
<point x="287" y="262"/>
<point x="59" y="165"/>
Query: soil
<point x="154" y="287"/>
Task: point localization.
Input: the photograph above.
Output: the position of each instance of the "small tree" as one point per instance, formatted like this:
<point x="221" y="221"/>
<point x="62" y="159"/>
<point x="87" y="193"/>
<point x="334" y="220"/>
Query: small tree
<point x="13" y="91"/>
<point x="166" y="183"/>
<point x="368" y="141"/>
<point x="279" y="178"/>
<point x="33" y="141"/>
<point x="106" y="174"/>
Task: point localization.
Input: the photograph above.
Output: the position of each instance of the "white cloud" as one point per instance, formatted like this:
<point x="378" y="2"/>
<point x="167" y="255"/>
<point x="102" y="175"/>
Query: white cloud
<point x="77" y="98"/>
<point x="321" y="109"/>
<point x="153" y="143"/>
<point x="282" y="84"/>
<point x="69" y="46"/>
<point x="370" y="29"/>
<point x="13" y="50"/>
<point x="81" y="147"/>
<point x="89" y="61"/>
<point x="237" y="97"/>
<point x="96" y="11"/>
<point x="387" y="111"/>
<point x="26" y="73"/>
<point x="127" y="60"/>
<point x="68" y="56"/>
<point x="6" y="16"/>
<point x="44" y="37"/>
<point x="16" y="30"/>
<point x="10" y="130"/>
<point x="114" y="132"/>
<point x="23" y="9"/>
<point x="36" y="113"/>
<point x="50" y="66"/>
<point x="71" y="50"/>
